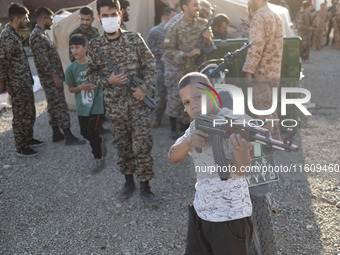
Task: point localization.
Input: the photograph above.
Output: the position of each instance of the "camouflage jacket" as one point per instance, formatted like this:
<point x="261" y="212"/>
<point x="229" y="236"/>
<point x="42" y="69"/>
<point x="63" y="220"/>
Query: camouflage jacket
<point x="128" y="53"/>
<point x="155" y="40"/>
<point x="303" y="22"/>
<point x="46" y="57"/>
<point x="264" y="58"/>
<point x="89" y="34"/>
<point x="185" y="36"/>
<point x="14" y="67"/>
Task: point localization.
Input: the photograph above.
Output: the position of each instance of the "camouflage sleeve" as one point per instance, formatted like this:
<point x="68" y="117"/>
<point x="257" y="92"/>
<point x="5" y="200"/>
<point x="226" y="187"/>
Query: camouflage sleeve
<point x="5" y="53"/>
<point x="151" y="41"/>
<point x="39" y="50"/>
<point x="257" y="36"/>
<point x="96" y="33"/>
<point x="170" y="44"/>
<point x="300" y="22"/>
<point x="147" y="62"/>
<point x="93" y="70"/>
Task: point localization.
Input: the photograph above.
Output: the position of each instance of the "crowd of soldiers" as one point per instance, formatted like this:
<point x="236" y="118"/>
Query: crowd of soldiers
<point x="314" y="25"/>
<point x="179" y="45"/>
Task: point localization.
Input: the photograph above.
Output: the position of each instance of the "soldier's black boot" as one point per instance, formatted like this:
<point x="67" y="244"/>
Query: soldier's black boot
<point x="147" y="195"/>
<point x="174" y="135"/>
<point x="70" y="139"/>
<point x="128" y="189"/>
<point x="57" y="135"/>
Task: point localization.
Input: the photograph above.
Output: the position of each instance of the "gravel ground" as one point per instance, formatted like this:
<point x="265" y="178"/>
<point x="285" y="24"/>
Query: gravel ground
<point x="52" y="205"/>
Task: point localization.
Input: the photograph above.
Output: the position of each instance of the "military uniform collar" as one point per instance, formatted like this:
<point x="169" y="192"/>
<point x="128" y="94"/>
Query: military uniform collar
<point x="84" y="31"/>
<point x="185" y="19"/>
<point x="263" y="9"/>
<point x="13" y="30"/>
<point x="40" y="29"/>
<point x="122" y="32"/>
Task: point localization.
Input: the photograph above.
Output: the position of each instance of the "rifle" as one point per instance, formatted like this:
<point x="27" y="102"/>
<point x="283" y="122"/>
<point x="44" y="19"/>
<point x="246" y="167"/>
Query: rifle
<point x="131" y="82"/>
<point x="227" y="60"/>
<point x="220" y="128"/>
<point x="200" y="58"/>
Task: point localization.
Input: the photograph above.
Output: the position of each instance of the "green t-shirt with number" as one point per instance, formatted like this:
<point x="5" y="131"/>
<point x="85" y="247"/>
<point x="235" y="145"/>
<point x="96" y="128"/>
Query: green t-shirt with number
<point x="87" y="102"/>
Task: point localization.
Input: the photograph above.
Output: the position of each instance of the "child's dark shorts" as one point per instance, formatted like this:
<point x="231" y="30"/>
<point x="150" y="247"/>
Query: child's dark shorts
<point x="218" y="238"/>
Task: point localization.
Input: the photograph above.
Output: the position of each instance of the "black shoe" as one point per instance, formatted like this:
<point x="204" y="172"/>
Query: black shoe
<point x="174" y="135"/>
<point x="128" y="189"/>
<point x="26" y="152"/>
<point x="70" y="139"/>
<point x="57" y="135"/>
<point x="147" y="195"/>
<point x="35" y="143"/>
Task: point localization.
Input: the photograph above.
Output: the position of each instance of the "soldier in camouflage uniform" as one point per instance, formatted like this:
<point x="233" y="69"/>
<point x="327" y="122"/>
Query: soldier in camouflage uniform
<point x="51" y="75"/>
<point x="125" y="108"/>
<point x="320" y="22"/>
<point x="125" y="8"/>
<point x="155" y="42"/>
<point x="16" y="77"/>
<point x="85" y="28"/>
<point x="264" y="58"/>
<point x="182" y="47"/>
<point x="305" y="26"/>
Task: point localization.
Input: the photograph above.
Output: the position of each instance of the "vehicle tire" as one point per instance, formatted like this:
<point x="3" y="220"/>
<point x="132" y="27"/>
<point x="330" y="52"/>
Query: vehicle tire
<point x="263" y="236"/>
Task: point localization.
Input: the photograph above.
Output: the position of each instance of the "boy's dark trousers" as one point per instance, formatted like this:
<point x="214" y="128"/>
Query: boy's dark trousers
<point x="218" y="238"/>
<point x="89" y="129"/>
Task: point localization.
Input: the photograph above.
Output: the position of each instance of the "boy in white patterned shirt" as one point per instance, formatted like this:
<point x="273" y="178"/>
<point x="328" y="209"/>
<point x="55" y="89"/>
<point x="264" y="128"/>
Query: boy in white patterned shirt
<point x="219" y="219"/>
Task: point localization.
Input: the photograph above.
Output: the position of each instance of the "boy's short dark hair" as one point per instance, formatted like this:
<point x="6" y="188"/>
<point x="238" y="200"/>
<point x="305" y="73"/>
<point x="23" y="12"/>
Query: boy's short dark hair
<point x="110" y="3"/>
<point x="191" y="78"/>
<point x="16" y="10"/>
<point x="43" y="11"/>
<point x="167" y="10"/>
<point x="78" y="39"/>
<point x="184" y="2"/>
<point x="87" y="10"/>
<point x="219" y="19"/>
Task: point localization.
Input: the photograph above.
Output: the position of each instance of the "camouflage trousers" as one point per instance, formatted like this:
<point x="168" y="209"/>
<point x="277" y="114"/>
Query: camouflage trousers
<point x="305" y="45"/>
<point x="317" y="39"/>
<point x="161" y="93"/>
<point x="23" y="109"/>
<point x="56" y="104"/>
<point x="130" y="120"/>
<point x="262" y="100"/>
<point x="172" y="75"/>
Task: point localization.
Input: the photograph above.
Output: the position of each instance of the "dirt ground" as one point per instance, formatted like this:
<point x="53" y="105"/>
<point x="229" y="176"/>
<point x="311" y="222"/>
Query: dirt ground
<point x="52" y="205"/>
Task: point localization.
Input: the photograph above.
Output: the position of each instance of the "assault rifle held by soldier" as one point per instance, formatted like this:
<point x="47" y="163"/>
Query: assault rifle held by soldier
<point x="132" y="82"/>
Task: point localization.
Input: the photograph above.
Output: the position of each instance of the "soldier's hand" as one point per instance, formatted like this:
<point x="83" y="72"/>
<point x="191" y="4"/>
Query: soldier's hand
<point x="248" y="77"/>
<point x="85" y="86"/>
<point x="208" y="35"/>
<point x="118" y="79"/>
<point x="138" y="93"/>
<point x="192" y="53"/>
<point x="58" y="83"/>
<point x="198" y="139"/>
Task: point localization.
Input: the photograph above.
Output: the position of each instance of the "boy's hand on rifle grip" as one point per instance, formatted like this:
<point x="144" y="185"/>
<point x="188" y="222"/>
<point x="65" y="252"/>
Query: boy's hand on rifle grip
<point x="118" y="79"/>
<point x="198" y="139"/>
<point x="239" y="143"/>
<point x="138" y="93"/>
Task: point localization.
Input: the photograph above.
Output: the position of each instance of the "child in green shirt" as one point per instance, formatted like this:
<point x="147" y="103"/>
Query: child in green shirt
<point x="88" y="98"/>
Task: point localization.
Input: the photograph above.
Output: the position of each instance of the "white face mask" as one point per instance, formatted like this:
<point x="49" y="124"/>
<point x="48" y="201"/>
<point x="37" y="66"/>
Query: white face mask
<point x="110" y="25"/>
